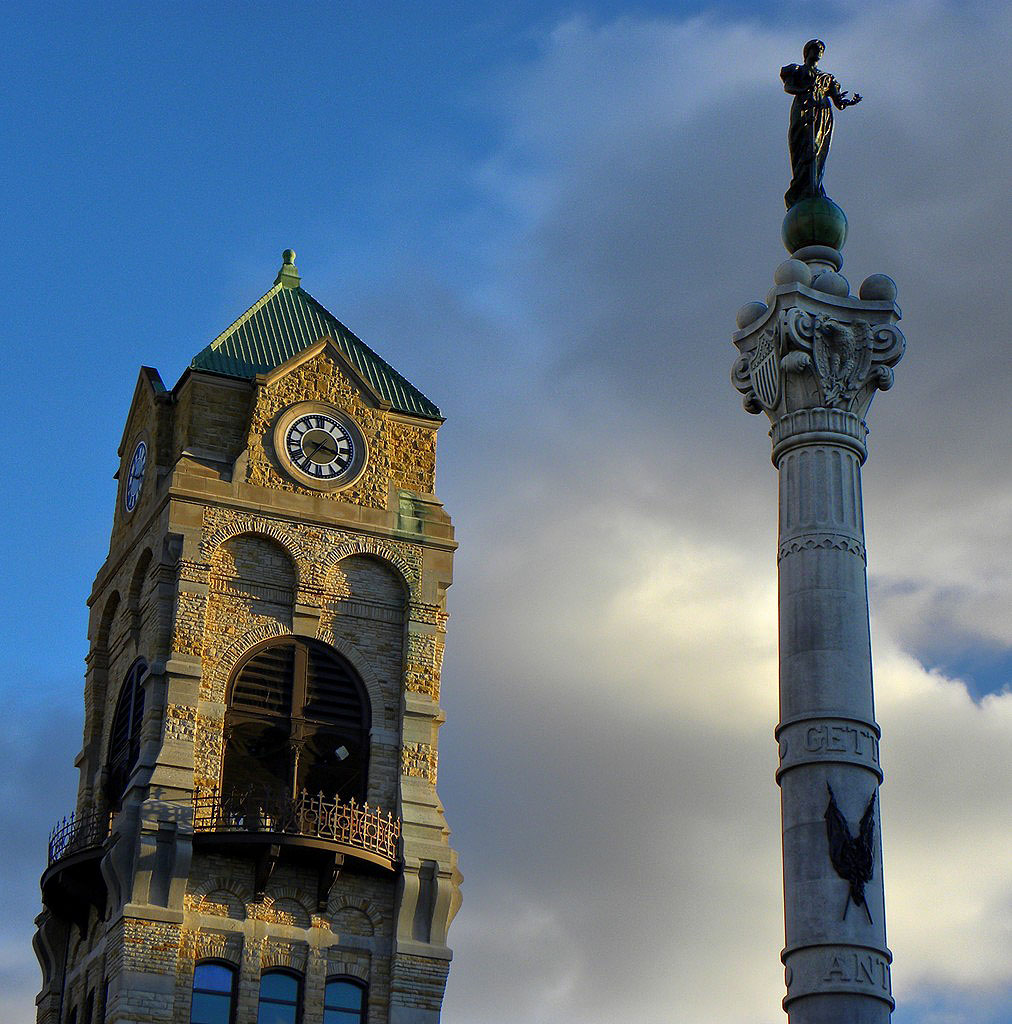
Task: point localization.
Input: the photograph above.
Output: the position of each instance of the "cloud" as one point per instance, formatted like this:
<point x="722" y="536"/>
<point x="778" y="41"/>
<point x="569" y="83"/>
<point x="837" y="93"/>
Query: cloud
<point x="657" y="150"/>
<point x="610" y="680"/>
<point x="612" y="654"/>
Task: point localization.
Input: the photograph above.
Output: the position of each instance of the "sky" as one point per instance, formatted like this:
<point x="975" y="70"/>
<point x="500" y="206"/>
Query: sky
<point x="546" y="215"/>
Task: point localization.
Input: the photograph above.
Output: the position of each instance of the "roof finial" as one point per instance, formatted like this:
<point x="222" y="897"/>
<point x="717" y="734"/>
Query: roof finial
<point x="288" y="275"/>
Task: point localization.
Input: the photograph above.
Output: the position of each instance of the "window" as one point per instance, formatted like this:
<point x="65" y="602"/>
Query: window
<point x="280" y="996"/>
<point x="213" y="994"/>
<point x="344" y="1002"/>
<point x="125" y="738"/>
<point x="298" y="718"/>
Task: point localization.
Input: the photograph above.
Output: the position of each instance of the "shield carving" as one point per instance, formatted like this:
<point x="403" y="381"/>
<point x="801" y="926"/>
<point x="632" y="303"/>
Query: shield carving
<point x="764" y="368"/>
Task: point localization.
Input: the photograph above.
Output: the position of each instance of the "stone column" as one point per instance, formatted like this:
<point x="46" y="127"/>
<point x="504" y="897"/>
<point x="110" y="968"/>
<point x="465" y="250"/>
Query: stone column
<point x="812" y="357"/>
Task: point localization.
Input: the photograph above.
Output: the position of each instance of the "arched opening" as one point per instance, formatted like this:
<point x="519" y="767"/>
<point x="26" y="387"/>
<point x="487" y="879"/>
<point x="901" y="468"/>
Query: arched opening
<point x="344" y="1001"/>
<point x="125" y="735"/>
<point x="214" y="990"/>
<point x="137" y="582"/>
<point x="280" y="999"/>
<point x="105" y="630"/>
<point x="298" y="719"/>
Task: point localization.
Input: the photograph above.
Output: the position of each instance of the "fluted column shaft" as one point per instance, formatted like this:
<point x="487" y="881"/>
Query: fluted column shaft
<point x="836" y="959"/>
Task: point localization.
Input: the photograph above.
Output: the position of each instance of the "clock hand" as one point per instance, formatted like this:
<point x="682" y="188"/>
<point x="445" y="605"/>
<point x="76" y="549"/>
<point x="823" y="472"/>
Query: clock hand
<point x="315" y="450"/>
<point x="323" y="445"/>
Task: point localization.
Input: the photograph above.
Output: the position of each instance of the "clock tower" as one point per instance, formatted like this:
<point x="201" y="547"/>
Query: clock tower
<point x="257" y="834"/>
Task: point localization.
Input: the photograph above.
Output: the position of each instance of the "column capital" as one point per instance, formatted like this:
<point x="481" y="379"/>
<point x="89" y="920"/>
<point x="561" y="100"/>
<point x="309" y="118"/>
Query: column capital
<point x="814" y="346"/>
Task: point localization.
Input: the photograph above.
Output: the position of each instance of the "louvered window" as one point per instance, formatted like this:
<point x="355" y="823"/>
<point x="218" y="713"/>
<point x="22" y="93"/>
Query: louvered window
<point x="125" y="737"/>
<point x="298" y="718"/>
<point x="264" y="686"/>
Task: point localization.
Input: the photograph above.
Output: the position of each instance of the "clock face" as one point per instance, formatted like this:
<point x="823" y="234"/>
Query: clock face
<point x="135" y="476"/>
<point x="319" y="446"/>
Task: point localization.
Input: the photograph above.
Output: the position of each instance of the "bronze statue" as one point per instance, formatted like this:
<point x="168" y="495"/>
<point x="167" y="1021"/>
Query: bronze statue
<point x="815" y="93"/>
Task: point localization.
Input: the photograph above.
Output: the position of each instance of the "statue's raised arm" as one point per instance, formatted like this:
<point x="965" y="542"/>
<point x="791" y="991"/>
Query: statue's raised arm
<point x="815" y="94"/>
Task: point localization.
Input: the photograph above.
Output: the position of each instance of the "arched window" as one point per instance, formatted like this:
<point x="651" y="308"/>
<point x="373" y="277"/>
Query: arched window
<point x="125" y="738"/>
<point x="298" y="718"/>
<point x="213" y="993"/>
<point x="280" y="998"/>
<point x="344" y="1001"/>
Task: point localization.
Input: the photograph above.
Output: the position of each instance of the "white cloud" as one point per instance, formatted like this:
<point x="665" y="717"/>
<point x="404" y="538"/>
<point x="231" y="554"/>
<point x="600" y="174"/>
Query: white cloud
<point x="613" y="649"/>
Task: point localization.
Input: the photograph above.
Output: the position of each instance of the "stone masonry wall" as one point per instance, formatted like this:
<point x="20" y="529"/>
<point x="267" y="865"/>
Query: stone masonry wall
<point x="224" y="921"/>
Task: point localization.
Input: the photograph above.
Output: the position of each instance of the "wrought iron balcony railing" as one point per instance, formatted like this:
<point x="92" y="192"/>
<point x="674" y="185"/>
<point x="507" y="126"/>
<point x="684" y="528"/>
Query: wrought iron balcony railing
<point x="351" y="825"/>
<point x="78" y="832"/>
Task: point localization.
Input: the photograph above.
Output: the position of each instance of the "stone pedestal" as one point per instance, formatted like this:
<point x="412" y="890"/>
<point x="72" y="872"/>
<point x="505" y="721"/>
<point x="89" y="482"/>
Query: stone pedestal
<point x="811" y="360"/>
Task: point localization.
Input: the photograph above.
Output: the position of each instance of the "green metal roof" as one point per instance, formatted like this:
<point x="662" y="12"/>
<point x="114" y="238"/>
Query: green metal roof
<point x="285" y="322"/>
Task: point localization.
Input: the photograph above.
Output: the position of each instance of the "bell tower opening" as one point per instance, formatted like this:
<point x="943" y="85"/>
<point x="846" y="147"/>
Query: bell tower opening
<point x="298" y="719"/>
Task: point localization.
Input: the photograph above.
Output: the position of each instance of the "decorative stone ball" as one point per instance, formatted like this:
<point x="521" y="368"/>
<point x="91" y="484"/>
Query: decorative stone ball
<point x="878" y="287"/>
<point x="749" y="313"/>
<point x="793" y="270"/>
<point x="832" y="284"/>
<point x="814" y="221"/>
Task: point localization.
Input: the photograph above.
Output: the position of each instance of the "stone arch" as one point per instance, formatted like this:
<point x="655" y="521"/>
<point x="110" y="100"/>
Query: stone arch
<point x="365" y="577"/>
<point x="105" y="629"/>
<point x="221" y="903"/>
<point x="136" y="591"/>
<point x="286" y="955"/>
<point x="140" y="573"/>
<point x="378" y="549"/>
<point x="237" y="525"/>
<point x="288" y="910"/>
<point x="337" y="964"/>
<point x="363" y="907"/>
<point x="211" y="945"/>
<point x="352" y="921"/>
<point x="282" y="576"/>
<point x="220" y="883"/>
<point x="224" y="666"/>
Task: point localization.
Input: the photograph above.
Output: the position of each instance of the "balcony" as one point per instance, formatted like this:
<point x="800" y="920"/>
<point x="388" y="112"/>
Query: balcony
<point x="327" y="831"/>
<point x="73" y="883"/>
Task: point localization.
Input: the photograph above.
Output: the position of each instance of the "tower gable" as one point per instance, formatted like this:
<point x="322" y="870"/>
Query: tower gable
<point x="148" y="422"/>
<point x="401" y="450"/>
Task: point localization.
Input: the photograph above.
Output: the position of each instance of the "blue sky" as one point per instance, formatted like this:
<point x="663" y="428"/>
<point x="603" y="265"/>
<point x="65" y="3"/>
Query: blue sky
<point x="545" y="215"/>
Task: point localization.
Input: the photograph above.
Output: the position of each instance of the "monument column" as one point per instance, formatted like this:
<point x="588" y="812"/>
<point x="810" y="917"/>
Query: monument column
<point x="812" y="357"/>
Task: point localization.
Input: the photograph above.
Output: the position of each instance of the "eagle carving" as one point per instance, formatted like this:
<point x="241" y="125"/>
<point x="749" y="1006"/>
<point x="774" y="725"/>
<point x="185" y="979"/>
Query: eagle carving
<point x="842" y="357"/>
<point x="853" y="857"/>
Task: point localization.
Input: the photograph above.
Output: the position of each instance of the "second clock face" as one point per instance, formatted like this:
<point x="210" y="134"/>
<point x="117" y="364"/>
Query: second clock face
<point x="135" y="476"/>
<point x="319" y="446"/>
